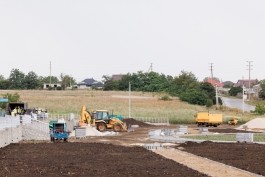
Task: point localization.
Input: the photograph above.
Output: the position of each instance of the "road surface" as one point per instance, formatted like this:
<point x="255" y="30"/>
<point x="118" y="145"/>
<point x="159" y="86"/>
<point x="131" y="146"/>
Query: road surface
<point x="237" y="103"/>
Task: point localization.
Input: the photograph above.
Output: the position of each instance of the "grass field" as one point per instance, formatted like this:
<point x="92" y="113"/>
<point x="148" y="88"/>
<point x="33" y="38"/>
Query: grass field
<point x="142" y="104"/>
<point x="259" y="137"/>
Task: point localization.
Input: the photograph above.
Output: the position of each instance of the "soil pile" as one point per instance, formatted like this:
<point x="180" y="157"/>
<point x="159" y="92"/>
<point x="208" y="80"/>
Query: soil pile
<point x="131" y="121"/>
<point x="254" y="123"/>
<point x="86" y="159"/>
<point x="249" y="157"/>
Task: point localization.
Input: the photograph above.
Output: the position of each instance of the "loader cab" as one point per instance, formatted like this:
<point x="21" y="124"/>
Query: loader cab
<point x="101" y="115"/>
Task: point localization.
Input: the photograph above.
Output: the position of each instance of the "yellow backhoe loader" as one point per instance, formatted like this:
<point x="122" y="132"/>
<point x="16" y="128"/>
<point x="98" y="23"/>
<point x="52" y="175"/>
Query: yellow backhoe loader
<point x="101" y="119"/>
<point x="232" y="121"/>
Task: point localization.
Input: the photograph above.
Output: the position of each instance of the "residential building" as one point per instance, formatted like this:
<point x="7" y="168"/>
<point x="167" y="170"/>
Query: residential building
<point x="89" y="83"/>
<point x="214" y="82"/>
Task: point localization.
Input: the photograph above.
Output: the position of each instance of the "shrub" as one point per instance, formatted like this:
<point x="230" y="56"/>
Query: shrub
<point x="165" y="98"/>
<point x="209" y="103"/>
<point x="260" y="109"/>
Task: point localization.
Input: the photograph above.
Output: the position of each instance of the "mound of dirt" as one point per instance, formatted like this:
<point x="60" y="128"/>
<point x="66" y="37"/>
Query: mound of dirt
<point x="254" y="123"/>
<point x="131" y="121"/>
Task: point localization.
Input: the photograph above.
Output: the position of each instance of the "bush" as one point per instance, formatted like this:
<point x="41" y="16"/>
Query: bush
<point x="209" y="103"/>
<point x="194" y="96"/>
<point x="165" y="98"/>
<point x="260" y="109"/>
<point x="58" y="88"/>
<point x="235" y="90"/>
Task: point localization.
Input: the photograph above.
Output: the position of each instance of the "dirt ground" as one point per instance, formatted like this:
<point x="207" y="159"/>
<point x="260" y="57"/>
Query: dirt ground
<point x="249" y="157"/>
<point x="120" y="155"/>
<point x="86" y="159"/>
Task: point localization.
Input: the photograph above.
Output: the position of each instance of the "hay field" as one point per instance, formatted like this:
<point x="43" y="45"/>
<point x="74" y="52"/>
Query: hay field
<point x="142" y="104"/>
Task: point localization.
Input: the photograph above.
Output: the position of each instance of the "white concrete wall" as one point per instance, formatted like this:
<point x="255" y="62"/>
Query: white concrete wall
<point x="10" y="135"/>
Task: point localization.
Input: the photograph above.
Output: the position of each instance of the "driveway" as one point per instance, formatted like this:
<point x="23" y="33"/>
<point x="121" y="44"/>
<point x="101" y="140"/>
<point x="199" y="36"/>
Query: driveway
<point x="237" y="103"/>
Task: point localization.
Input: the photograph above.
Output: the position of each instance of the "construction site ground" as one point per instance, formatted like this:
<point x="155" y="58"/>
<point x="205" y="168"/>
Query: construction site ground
<point x="120" y="155"/>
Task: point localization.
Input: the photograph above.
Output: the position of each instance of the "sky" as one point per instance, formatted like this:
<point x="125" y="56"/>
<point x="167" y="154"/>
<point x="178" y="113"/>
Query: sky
<point x="92" y="38"/>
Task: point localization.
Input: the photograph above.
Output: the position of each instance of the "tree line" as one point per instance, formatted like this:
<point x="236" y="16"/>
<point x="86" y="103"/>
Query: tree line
<point x="185" y="86"/>
<point x="31" y="81"/>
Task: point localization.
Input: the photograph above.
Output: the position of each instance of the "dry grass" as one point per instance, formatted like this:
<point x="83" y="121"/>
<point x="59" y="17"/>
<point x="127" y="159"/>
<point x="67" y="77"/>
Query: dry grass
<point x="142" y="104"/>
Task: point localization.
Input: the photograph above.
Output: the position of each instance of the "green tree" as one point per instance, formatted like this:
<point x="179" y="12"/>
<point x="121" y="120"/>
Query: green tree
<point x="262" y="94"/>
<point x="66" y="81"/>
<point x="180" y="83"/>
<point x="194" y="96"/>
<point x="4" y="84"/>
<point x="31" y="80"/>
<point x="2" y="77"/>
<point x="209" y="103"/>
<point x="11" y="98"/>
<point x="17" y="79"/>
<point x="214" y="78"/>
<point x="235" y="90"/>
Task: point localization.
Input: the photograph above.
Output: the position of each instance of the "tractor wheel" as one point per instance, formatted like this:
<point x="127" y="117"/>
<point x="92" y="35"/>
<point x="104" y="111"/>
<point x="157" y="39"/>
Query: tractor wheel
<point x="117" y="127"/>
<point x="101" y="127"/>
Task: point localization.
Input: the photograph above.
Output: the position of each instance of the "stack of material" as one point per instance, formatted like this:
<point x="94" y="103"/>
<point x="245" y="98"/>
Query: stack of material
<point x="153" y="146"/>
<point x="203" y="131"/>
<point x="244" y="137"/>
<point x="80" y="132"/>
<point x="181" y="129"/>
<point x="257" y="123"/>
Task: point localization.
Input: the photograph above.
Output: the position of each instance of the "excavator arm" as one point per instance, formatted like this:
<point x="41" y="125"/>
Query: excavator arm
<point x="85" y="117"/>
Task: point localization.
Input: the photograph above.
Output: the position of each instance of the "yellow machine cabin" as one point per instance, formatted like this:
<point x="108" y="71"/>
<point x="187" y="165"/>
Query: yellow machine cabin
<point x="207" y="119"/>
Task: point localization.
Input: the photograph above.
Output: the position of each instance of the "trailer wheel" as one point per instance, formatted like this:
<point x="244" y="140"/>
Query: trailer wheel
<point x="117" y="127"/>
<point x="101" y="127"/>
<point x="65" y="140"/>
<point x="52" y="139"/>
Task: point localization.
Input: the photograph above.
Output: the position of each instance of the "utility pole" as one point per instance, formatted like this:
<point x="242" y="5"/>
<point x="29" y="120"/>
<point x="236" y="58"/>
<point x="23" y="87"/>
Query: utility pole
<point x="129" y="99"/>
<point x="216" y="95"/>
<point x="151" y="68"/>
<point x="243" y="109"/>
<point x="249" y="68"/>
<point x="50" y="73"/>
<point x="211" y="72"/>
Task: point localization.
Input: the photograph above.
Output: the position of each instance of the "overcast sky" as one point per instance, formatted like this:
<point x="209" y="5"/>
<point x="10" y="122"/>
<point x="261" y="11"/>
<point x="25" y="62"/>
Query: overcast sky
<point x="92" y="38"/>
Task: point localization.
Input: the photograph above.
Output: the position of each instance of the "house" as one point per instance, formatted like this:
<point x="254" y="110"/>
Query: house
<point x="117" y="76"/>
<point x="214" y="82"/>
<point x="257" y="88"/>
<point x="46" y="86"/>
<point x="246" y="82"/>
<point x="89" y="83"/>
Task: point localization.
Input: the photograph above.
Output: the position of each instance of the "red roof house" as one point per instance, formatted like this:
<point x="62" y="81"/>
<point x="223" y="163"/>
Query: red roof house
<point x="214" y="82"/>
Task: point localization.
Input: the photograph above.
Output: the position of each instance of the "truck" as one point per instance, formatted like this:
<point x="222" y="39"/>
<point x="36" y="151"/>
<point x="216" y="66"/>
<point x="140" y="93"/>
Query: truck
<point x="207" y="119"/>
<point x="59" y="132"/>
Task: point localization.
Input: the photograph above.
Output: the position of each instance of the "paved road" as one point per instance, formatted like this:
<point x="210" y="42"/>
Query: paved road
<point x="237" y="103"/>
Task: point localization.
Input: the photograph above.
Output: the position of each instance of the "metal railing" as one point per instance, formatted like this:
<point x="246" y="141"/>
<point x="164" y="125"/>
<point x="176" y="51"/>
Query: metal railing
<point x="68" y="116"/>
<point x="151" y="120"/>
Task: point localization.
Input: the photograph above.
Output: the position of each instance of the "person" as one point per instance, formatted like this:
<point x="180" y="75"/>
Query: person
<point x="19" y="110"/>
<point x="39" y="111"/>
<point x="15" y="111"/>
